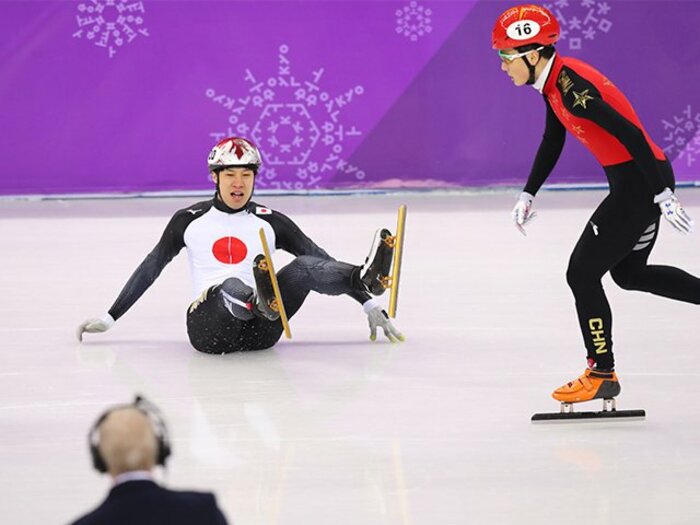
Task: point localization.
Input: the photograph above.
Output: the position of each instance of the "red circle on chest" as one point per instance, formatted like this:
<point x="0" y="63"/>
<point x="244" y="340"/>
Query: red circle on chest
<point x="229" y="250"/>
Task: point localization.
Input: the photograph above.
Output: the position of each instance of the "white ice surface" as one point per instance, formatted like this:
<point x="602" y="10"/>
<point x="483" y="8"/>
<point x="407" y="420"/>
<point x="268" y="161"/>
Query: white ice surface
<point x="329" y="427"/>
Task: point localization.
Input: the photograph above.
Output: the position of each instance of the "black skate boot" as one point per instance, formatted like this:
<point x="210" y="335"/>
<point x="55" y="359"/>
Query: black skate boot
<point x="264" y="300"/>
<point x="374" y="274"/>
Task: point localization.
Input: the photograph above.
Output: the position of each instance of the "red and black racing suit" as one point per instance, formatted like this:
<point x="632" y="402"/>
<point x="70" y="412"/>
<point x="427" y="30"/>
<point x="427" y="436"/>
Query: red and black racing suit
<point x="622" y="231"/>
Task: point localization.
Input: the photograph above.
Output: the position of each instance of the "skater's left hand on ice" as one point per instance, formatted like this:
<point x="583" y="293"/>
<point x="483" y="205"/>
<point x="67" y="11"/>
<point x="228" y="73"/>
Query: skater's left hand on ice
<point x="673" y="212"/>
<point x="94" y="326"/>
<point x="377" y="317"/>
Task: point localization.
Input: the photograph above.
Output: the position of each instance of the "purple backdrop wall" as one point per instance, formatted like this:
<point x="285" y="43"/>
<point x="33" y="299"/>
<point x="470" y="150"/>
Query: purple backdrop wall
<point x="129" y="95"/>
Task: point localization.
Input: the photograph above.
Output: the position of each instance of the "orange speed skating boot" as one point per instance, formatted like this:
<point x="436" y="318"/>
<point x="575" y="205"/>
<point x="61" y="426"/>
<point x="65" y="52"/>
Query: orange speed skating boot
<point x="592" y="384"/>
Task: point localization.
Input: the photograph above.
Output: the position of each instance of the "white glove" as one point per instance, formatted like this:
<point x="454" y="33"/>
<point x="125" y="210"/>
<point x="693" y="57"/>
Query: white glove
<point x="522" y="212"/>
<point x="377" y="317"/>
<point x="673" y="212"/>
<point x="94" y="326"/>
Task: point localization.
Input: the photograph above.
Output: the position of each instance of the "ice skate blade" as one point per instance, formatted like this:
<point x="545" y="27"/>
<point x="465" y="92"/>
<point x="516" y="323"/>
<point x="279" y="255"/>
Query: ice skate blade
<point x="395" y="276"/>
<point x="277" y="305"/>
<point x="602" y="415"/>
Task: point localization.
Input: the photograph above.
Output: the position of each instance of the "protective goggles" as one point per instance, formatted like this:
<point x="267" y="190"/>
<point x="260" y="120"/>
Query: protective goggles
<point x="507" y="57"/>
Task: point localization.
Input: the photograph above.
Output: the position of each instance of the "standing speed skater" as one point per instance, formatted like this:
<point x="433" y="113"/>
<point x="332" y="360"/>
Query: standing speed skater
<point x="622" y="231"/>
<point x="233" y="307"/>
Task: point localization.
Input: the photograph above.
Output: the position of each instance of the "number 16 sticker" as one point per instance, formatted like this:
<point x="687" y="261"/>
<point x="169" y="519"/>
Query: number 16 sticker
<point x="523" y="29"/>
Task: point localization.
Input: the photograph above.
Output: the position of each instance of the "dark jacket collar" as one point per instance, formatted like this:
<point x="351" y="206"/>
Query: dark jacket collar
<point x="136" y="485"/>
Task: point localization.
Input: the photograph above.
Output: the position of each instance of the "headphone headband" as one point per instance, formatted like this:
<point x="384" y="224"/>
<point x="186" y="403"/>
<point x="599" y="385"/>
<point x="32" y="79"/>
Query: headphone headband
<point x="163" y="449"/>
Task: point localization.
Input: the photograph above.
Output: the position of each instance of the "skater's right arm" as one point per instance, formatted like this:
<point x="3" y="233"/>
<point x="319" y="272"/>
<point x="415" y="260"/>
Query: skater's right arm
<point x="169" y="245"/>
<point x="545" y="160"/>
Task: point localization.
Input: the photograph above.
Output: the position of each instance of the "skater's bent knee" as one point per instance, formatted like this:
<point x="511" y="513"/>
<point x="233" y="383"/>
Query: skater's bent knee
<point x="304" y="265"/>
<point x="305" y="261"/>
<point x="624" y="279"/>
<point x="237" y="297"/>
<point x="235" y="287"/>
<point x="576" y="276"/>
<point x="579" y="275"/>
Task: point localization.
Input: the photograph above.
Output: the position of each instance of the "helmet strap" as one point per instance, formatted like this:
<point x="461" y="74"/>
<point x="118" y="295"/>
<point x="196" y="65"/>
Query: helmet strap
<point x="531" y="78"/>
<point x="218" y="186"/>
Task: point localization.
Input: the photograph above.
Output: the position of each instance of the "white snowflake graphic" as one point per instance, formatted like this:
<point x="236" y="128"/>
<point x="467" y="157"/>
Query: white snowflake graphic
<point x="581" y="20"/>
<point x="682" y="139"/>
<point x="297" y="125"/>
<point x="110" y="23"/>
<point x="413" y="21"/>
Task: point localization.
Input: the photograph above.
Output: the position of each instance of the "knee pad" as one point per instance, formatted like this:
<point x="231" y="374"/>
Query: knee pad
<point x="237" y="298"/>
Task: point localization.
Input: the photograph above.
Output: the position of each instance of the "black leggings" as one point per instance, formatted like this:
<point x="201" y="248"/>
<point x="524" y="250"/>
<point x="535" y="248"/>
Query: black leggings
<point x="619" y="238"/>
<point x="218" y="325"/>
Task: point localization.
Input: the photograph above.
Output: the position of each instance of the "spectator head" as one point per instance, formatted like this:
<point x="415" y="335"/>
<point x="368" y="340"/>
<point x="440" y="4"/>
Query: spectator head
<point x="128" y="438"/>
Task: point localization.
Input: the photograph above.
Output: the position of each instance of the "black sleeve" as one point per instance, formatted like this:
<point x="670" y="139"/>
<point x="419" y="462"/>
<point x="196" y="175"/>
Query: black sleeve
<point x="548" y="152"/>
<point x="170" y="244"/>
<point x="290" y="238"/>
<point x="218" y="517"/>
<point x="630" y="136"/>
<point x="360" y="297"/>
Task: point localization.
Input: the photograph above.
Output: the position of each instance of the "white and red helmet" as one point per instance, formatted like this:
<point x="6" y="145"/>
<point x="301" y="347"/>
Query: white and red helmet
<point x="234" y="152"/>
<point x="523" y="25"/>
